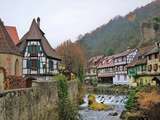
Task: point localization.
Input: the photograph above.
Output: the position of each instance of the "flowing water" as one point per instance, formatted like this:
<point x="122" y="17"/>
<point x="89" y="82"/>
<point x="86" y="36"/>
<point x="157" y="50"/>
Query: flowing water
<point x="117" y="103"/>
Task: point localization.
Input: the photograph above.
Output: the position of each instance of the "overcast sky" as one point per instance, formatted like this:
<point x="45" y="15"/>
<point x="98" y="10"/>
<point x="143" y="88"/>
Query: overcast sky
<point x="64" y="19"/>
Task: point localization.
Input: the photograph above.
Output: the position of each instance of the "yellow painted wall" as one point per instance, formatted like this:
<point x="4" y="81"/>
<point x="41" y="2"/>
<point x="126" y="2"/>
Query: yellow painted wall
<point x="8" y="62"/>
<point x="144" y="80"/>
<point x="152" y="62"/>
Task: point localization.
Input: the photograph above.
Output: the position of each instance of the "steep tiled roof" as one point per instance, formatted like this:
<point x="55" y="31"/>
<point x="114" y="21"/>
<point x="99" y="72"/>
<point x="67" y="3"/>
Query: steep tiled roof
<point x="137" y="62"/>
<point x="124" y="53"/>
<point x="140" y="57"/>
<point x="144" y="50"/>
<point x="153" y="50"/>
<point x="6" y="43"/>
<point x="35" y="33"/>
<point x="106" y="62"/>
<point x="94" y="61"/>
<point x="13" y="33"/>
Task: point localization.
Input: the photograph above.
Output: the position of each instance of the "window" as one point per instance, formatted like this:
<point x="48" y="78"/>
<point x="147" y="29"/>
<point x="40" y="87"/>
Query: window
<point x="149" y="57"/>
<point x="33" y="64"/>
<point x="118" y="77"/>
<point x="121" y="67"/>
<point x="139" y="68"/>
<point x="156" y="56"/>
<point x="51" y="65"/>
<point x="155" y="67"/>
<point x="28" y="64"/>
<point x="124" y="59"/>
<point x="34" y="50"/>
<point x="125" y="77"/>
<point x="149" y="67"/>
<point x="143" y="68"/>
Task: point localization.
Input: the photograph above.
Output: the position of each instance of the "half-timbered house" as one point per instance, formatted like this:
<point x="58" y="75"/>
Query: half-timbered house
<point x="120" y="62"/>
<point x="40" y="59"/>
<point x="91" y="69"/>
<point x="106" y="69"/>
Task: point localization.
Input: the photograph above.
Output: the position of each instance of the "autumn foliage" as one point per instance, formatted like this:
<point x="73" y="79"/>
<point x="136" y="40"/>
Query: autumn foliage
<point x="146" y="100"/>
<point x="72" y="55"/>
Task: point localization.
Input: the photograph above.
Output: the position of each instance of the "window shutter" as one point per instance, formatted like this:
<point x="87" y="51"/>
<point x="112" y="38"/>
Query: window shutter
<point x="38" y="49"/>
<point x="28" y="64"/>
<point x="38" y="64"/>
<point x="29" y="49"/>
<point x="51" y="65"/>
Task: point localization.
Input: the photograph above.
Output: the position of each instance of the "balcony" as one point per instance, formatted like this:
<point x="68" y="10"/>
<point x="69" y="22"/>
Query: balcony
<point x="106" y="74"/>
<point x="120" y="62"/>
<point x="121" y="72"/>
<point x="142" y="73"/>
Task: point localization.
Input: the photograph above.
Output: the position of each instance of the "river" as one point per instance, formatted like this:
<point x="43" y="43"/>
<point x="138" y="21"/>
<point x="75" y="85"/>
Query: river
<point x="117" y="103"/>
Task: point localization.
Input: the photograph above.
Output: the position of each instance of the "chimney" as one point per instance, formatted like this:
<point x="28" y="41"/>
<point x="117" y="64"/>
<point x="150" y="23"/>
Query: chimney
<point x="38" y="21"/>
<point x="1" y="21"/>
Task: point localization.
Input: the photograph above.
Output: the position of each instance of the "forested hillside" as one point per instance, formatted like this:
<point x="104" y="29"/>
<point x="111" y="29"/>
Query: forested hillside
<point x="119" y="33"/>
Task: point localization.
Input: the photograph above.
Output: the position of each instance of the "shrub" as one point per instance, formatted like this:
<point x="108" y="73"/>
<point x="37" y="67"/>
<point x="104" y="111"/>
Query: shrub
<point x="94" y="82"/>
<point x="91" y="99"/>
<point x="81" y="91"/>
<point x="146" y="100"/>
<point x="99" y="106"/>
<point x="67" y="111"/>
<point x="95" y="105"/>
<point x="132" y="97"/>
<point x="131" y="100"/>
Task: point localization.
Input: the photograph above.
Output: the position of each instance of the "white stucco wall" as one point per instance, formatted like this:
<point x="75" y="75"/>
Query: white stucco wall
<point x="120" y="79"/>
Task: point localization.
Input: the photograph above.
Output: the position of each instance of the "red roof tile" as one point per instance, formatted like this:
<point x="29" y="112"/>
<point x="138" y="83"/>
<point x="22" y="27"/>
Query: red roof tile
<point x="106" y="62"/>
<point x="13" y="33"/>
<point x="94" y="61"/>
<point x="6" y="43"/>
<point x="124" y="53"/>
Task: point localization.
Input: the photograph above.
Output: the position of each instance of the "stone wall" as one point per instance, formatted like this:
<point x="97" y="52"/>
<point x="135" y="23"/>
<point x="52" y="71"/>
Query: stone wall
<point x="73" y="90"/>
<point x="36" y="103"/>
<point x="12" y="64"/>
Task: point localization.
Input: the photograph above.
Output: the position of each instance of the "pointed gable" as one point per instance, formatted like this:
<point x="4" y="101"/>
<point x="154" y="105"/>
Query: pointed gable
<point x="6" y="43"/>
<point x="35" y="33"/>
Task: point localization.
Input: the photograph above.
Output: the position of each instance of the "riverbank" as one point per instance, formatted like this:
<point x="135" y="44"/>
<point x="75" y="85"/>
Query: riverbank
<point x="143" y="103"/>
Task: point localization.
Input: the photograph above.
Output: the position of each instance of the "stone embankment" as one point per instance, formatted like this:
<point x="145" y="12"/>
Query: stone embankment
<point x="36" y="103"/>
<point x="109" y="89"/>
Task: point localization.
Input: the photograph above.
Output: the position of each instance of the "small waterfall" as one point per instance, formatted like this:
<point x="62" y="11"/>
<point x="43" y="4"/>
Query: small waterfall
<point x="117" y="102"/>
